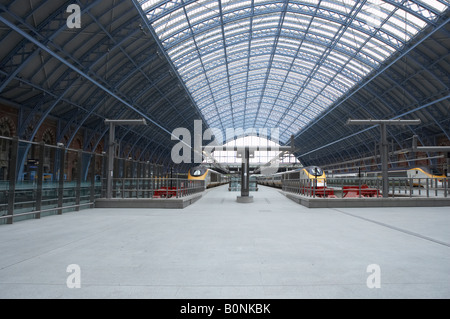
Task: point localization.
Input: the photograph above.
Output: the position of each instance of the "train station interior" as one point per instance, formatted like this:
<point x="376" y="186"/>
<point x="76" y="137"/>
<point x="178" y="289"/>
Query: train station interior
<point x="225" y="149"/>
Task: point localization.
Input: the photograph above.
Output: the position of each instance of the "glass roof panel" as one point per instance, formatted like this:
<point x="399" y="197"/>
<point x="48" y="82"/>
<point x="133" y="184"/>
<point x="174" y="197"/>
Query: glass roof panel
<point x="281" y="62"/>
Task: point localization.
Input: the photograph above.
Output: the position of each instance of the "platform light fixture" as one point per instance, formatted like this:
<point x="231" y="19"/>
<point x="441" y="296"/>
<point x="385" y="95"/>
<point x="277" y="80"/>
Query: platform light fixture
<point x="112" y="147"/>
<point x="384" y="143"/>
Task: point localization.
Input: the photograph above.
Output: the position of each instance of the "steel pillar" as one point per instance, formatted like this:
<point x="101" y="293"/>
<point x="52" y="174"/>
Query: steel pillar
<point x="384" y="146"/>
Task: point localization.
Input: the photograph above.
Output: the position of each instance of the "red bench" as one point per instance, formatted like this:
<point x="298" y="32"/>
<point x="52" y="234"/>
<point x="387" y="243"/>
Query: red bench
<point x="165" y="192"/>
<point x="319" y="192"/>
<point x="356" y="191"/>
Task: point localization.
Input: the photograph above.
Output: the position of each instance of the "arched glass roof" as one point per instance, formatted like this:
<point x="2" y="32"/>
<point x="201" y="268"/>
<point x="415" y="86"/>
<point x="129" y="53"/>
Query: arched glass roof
<point x="260" y="63"/>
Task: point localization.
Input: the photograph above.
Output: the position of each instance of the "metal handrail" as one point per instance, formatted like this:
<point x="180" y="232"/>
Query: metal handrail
<point x="433" y="187"/>
<point x="138" y="187"/>
<point x="45" y="210"/>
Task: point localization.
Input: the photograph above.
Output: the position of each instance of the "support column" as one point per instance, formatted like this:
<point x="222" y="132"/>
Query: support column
<point x="12" y="174"/>
<point x="62" y="160"/>
<point x="384" y="160"/>
<point x="79" y="175"/>
<point x="92" y="188"/>
<point x="40" y="177"/>
<point x="245" y="178"/>
<point x="447" y="170"/>
<point x="111" y="156"/>
<point x="384" y="151"/>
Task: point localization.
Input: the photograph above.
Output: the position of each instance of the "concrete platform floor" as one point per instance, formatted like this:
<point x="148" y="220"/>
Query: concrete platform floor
<point x="217" y="248"/>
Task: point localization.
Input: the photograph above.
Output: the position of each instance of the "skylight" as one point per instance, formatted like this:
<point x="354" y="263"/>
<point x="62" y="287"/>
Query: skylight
<point x="283" y="63"/>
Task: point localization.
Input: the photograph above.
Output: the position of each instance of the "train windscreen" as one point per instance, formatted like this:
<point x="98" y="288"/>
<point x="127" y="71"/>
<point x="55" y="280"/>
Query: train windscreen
<point x="436" y="171"/>
<point x="315" y="171"/>
<point x="198" y="171"/>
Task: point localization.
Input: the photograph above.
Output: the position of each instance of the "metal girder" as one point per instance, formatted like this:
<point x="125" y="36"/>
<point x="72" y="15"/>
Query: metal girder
<point x="378" y="73"/>
<point x="372" y="127"/>
<point x="311" y="38"/>
<point x="75" y="69"/>
<point x="328" y="14"/>
<point x="31" y="54"/>
<point x="272" y="56"/>
<point x="203" y="30"/>
<point x="203" y="67"/>
<point x="136" y="66"/>
<point x="338" y="35"/>
<point x="160" y="46"/>
<point x="61" y="98"/>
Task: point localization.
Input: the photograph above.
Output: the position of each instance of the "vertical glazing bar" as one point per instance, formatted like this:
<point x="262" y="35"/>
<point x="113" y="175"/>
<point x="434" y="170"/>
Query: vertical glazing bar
<point x="310" y="187"/>
<point x="148" y="180"/>
<point x="378" y="188"/>
<point x="79" y="177"/>
<point x="92" y="188"/>
<point x="384" y="160"/>
<point x="314" y="187"/>
<point x="40" y="177"/>
<point x="111" y="156"/>
<point x="428" y="188"/>
<point x="116" y="178"/>
<point x="62" y="160"/>
<point x="138" y="170"/>
<point x="435" y="187"/>
<point x="392" y="181"/>
<point x="138" y="185"/>
<point x="153" y="180"/>
<point x="445" y="181"/>
<point x="411" y="192"/>
<point x="130" y="176"/>
<point x="359" y="186"/>
<point x="104" y="173"/>
<point x="12" y="178"/>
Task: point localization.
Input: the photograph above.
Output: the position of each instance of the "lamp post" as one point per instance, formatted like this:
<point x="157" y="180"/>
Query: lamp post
<point x="112" y="148"/>
<point x="384" y="144"/>
<point x="246" y="153"/>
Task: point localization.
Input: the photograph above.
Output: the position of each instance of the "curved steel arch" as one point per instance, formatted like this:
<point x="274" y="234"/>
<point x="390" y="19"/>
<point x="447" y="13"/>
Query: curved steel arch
<point x="72" y="101"/>
<point x="140" y="82"/>
<point x="326" y="14"/>
<point x="189" y="22"/>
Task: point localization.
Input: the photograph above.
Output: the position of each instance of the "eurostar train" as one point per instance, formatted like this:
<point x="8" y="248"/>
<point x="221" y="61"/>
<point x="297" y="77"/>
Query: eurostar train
<point x="305" y="173"/>
<point x="423" y="175"/>
<point x="420" y="175"/>
<point x="211" y="177"/>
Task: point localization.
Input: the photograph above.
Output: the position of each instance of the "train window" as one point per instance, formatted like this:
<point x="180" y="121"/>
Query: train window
<point x="197" y="173"/>
<point x="417" y="172"/>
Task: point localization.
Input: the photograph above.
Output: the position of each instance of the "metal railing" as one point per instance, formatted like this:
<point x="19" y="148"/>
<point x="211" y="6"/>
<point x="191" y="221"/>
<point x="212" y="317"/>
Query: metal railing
<point x="38" y="179"/>
<point x="35" y="201"/>
<point x="369" y="187"/>
<point x="155" y="187"/>
<point x="305" y="187"/>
